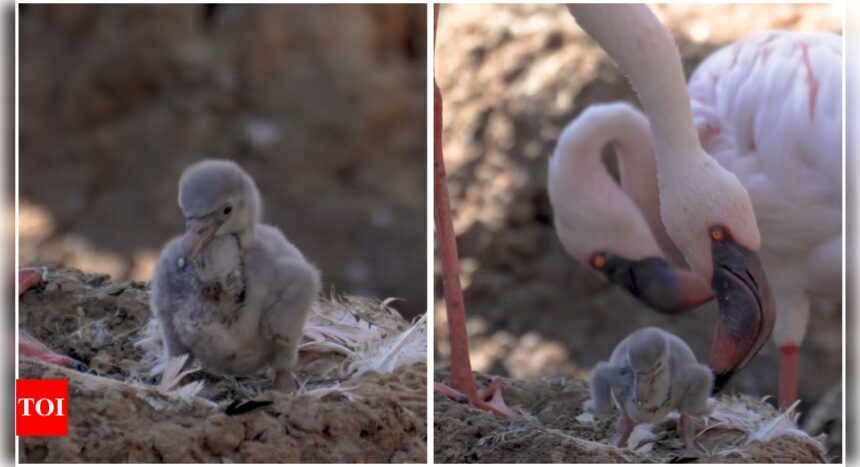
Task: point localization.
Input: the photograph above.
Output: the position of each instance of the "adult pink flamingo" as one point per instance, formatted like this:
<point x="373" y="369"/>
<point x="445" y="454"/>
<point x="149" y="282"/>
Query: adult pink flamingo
<point x="769" y="108"/>
<point x="780" y="142"/>
<point x="705" y="209"/>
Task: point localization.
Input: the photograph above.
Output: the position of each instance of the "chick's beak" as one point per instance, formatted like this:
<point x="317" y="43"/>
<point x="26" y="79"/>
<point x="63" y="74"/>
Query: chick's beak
<point x="198" y="234"/>
<point x="747" y="312"/>
<point x="657" y="283"/>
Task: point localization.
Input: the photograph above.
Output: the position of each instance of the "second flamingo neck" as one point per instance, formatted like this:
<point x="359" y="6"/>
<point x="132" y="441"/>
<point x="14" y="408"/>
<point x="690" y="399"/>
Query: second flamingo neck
<point x="646" y="52"/>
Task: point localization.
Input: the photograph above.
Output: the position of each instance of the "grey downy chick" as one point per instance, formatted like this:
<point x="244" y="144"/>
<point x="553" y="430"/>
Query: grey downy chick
<point x="233" y="293"/>
<point x="650" y="373"/>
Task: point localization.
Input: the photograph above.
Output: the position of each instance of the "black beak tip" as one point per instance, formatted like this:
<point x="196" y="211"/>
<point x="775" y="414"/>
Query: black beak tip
<point x="721" y="380"/>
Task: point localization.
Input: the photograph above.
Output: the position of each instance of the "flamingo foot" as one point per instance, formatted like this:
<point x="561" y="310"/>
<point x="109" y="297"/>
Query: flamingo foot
<point x="27" y="279"/>
<point x="452" y="393"/>
<point x="490" y="399"/>
<point x="787" y="376"/>
<point x="29" y="345"/>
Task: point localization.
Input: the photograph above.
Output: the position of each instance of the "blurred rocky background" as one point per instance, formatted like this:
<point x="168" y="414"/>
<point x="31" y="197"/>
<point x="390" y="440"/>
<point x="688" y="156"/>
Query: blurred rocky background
<point x="325" y="106"/>
<point x="512" y="76"/>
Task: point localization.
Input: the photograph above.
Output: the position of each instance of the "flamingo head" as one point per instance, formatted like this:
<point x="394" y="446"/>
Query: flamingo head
<point x="217" y="198"/>
<point x="653" y="280"/>
<point x="605" y="231"/>
<point x="708" y="214"/>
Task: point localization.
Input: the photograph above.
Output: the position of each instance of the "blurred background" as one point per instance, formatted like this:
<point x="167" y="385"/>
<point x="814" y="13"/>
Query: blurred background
<point x="325" y="106"/>
<point x="512" y="76"/>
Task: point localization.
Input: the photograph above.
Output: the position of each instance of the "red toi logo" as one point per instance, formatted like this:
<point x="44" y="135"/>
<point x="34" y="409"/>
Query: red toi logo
<point x="41" y="407"/>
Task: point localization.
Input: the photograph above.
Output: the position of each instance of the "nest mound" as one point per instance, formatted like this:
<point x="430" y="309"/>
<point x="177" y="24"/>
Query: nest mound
<point x="344" y="411"/>
<point x="555" y="429"/>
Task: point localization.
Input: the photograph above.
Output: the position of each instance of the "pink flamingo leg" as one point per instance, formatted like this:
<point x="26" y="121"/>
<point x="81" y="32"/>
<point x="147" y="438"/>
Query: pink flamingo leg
<point x="27" y="279"/>
<point x="461" y="367"/>
<point x="787" y="376"/>
<point x="27" y="344"/>
<point x="446" y="390"/>
<point x="489" y="399"/>
<point x="31" y="347"/>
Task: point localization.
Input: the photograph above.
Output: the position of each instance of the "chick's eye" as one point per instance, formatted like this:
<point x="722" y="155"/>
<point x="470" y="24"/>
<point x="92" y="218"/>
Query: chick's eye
<point x="228" y="209"/>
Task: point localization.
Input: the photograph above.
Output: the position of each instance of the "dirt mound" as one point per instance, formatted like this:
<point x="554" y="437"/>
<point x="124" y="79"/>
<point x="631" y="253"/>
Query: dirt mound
<point x="118" y="414"/>
<point x="555" y="429"/>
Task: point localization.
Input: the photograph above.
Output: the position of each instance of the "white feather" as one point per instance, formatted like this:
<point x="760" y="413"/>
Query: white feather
<point x="782" y="425"/>
<point x="757" y="424"/>
<point x="389" y="353"/>
<point x="643" y="433"/>
<point x="173" y="375"/>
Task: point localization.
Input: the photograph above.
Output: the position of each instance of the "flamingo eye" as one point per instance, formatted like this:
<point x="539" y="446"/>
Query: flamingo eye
<point x="598" y="261"/>
<point x="717" y="234"/>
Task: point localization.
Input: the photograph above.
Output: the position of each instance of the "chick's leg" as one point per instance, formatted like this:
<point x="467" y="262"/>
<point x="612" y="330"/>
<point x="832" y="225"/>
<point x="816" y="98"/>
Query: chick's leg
<point x="687" y="432"/>
<point x="695" y="383"/>
<point x="623" y="429"/>
<point x="173" y="347"/>
<point x="284" y="317"/>
<point x="602" y="378"/>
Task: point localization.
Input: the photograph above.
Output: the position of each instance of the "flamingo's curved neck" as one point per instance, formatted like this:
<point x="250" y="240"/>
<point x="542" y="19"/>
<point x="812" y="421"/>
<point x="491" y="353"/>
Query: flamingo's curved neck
<point x="636" y="40"/>
<point x="638" y="171"/>
<point x="579" y="161"/>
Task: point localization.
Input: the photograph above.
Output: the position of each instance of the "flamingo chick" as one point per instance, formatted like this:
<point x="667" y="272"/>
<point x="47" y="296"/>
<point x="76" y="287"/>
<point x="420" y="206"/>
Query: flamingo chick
<point x="704" y="207"/>
<point x="649" y="374"/>
<point x="232" y="293"/>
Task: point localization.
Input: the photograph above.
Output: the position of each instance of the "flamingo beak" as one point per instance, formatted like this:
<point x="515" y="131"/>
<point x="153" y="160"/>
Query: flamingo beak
<point x="658" y="284"/>
<point x="747" y="311"/>
<point x="199" y="231"/>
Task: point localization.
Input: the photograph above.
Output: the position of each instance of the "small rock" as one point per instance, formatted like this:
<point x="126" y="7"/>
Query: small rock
<point x="262" y="428"/>
<point x="223" y="434"/>
<point x="585" y="417"/>
<point x="102" y="363"/>
<point x="177" y="444"/>
<point x="287" y="452"/>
